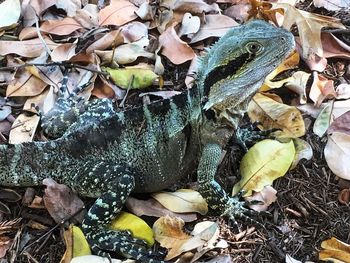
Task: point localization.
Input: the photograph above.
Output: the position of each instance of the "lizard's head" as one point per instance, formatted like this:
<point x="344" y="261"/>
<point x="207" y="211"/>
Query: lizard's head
<point x="236" y="66"/>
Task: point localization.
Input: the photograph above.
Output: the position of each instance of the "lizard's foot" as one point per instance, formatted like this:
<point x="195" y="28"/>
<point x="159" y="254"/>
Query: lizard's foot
<point x="234" y="209"/>
<point x="248" y="135"/>
<point x="122" y="242"/>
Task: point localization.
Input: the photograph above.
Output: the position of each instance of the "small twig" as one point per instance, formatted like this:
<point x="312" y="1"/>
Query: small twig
<point x="55" y="227"/>
<point x="40" y="35"/>
<point x="127" y="91"/>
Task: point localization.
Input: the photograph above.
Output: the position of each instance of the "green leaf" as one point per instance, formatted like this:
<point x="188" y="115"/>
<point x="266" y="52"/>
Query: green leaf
<point x="262" y="164"/>
<point x="133" y="78"/>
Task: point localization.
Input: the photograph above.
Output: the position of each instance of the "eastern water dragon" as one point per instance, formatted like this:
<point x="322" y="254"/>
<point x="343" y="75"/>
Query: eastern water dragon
<point x="107" y="154"/>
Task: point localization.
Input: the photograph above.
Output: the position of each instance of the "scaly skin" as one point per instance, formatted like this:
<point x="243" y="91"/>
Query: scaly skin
<point x="107" y="154"/>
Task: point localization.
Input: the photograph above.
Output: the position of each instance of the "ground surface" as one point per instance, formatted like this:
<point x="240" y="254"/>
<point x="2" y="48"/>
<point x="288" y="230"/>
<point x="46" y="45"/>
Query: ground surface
<point x="306" y="213"/>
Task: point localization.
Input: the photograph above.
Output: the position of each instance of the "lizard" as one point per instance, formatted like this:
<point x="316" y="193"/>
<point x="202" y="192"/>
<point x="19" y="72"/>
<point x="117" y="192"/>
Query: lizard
<point x="107" y="154"/>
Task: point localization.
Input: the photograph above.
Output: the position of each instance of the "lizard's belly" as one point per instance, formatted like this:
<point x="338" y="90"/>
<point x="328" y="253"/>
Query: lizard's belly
<point x="157" y="163"/>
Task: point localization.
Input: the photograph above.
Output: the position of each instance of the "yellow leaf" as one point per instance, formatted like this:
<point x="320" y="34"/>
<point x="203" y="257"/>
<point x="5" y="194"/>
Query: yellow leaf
<point x="263" y="163"/>
<point x="182" y="201"/>
<point x="134" y="78"/>
<point x="138" y="227"/>
<point x="272" y="114"/>
<point x="335" y="251"/>
<point x="80" y="245"/>
<point x="76" y="244"/>
<point x="289" y="63"/>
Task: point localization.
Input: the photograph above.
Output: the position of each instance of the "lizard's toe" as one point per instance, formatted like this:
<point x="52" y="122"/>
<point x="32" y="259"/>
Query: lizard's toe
<point x="235" y="210"/>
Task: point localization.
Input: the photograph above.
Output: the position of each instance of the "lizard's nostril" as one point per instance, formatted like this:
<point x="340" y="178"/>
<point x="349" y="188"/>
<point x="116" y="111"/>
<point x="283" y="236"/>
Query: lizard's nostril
<point x="283" y="38"/>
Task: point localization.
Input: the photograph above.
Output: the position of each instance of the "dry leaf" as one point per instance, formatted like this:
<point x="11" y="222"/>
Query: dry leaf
<point x="195" y="7"/>
<point x="343" y="91"/>
<point x="153" y="208"/>
<point x="182" y="201"/>
<point x="61" y="202"/>
<point x="63" y="52"/>
<point x="303" y="150"/>
<point x="111" y="39"/>
<point x="134" y="31"/>
<point x="309" y="26"/>
<point x="176" y="50"/>
<point x="189" y="25"/>
<point x="337" y="154"/>
<point x="28" y="48"/>
<point x="334" y="47"/>
<point x="23" y="129"/>
<point x="272" y="114"/>
<point x="321" y="88"/>
<point x="332" y="5"/>
<point x="335" y="251"/>
<point x="215" y="26"/>
<point x="63" y="27"/>
<point x="323" y="120"/>
<point x="290" y="62"/>
<point x="341" y="124"/>
<point x="168" y="232"/>
<point x="118" y="13"/>
<point x="266" y="197"/>
<point x="10" y="11"/>
<point x="88" y="16"/>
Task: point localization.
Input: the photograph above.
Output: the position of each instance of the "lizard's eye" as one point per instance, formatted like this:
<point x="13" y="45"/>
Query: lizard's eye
<point x="254" y="47"/>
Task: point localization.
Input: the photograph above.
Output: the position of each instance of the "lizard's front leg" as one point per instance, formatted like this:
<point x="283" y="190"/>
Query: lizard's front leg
<point x="213" y="193"/>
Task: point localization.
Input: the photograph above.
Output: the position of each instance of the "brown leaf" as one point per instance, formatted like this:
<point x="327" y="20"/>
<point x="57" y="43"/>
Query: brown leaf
<point x="215" y="26"/>
<point x="88" y="16"/>
<point x="63" y="52"/>
<point x="151" y="207"/>
<point x="195" y="7"/>
<point x="239" y="12"/>
<point x="309" y="26"/>
<point x="118" y="13"/>
<point x="168" y="232"/>
<point x="63" y="27"/>
<point x="341" y="124"/>
<point x="32" y="8"/>
<point x="321" y="88"/>
<point x="28" y="48"/>
<point x="5" y="244"/>
<point x="61" y="202"/>
<point x="334" y="47"/>
<point x="25" y="85"/>
<point x="266" y="197"/>
<point x="134" y="31"/>
<point x="113" y="38"/>
<point x="176" y="50"/>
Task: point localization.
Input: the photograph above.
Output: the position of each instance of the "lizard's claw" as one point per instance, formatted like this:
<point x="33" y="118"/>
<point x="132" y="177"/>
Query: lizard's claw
<point x="235" y="209"/>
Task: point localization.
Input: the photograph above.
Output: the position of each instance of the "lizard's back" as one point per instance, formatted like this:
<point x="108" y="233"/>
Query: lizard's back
<point x="155" y="141"/>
